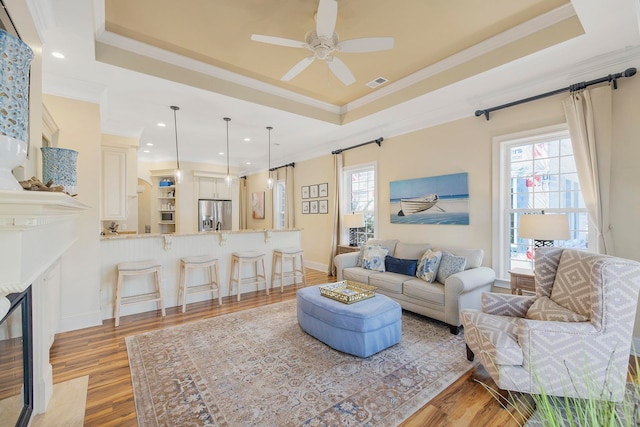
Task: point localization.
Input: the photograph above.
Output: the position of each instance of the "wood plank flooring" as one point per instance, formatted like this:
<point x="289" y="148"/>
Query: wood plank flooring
<point x="100" y="352"/>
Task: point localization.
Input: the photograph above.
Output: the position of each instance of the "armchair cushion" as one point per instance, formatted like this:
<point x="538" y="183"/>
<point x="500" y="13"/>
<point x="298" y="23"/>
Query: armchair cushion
<point x="545" y="308"/>
<point x="506" y="304"/>
<point x="572" y="286"/>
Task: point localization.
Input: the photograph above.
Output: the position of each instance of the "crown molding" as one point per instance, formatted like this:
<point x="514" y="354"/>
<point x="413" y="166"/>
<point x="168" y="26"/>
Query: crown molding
<point x="43" y="16"/>
<point x="134" y="46"/>
<point x="516" y="33"/>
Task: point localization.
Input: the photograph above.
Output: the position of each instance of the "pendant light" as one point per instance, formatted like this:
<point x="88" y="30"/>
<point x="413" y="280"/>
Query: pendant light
<point x="269" y="180"/>
<point x="177" y="173"/>
<point x="228" y="177"/>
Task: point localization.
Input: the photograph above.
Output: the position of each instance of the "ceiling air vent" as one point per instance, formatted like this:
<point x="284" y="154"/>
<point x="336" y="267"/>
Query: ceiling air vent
<point x="377" y="82"/>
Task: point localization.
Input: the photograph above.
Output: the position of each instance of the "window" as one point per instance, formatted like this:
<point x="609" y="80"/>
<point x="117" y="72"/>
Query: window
<point x="360" y="192"/>
<point x="537" y="174"/>
<point x="278" y="204"/>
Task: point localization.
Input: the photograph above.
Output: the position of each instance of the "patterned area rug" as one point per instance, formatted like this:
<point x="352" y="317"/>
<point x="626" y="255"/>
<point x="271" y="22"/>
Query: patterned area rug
<point x="257" y="367"/>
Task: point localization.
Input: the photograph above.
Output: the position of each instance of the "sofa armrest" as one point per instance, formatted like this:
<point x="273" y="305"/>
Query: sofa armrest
<point x="464" y="291"/>
<point x="468" y="280"/>
<point x="343" y="261"/>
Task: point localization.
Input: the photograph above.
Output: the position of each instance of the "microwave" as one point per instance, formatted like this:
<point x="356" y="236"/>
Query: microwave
<point x="167" y="216"/>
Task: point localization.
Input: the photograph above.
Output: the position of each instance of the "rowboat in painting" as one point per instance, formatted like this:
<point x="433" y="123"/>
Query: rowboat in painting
<point x="417" y="204"/>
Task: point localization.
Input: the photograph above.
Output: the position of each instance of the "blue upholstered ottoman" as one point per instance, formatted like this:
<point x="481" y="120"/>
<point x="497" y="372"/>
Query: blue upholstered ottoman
<point x="362" y="328"/>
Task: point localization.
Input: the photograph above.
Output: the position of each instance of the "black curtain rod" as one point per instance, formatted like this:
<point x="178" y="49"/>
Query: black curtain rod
<point x="375" y="141"/>
<point x="293" y="165"/>
<point x="629" y="72"/>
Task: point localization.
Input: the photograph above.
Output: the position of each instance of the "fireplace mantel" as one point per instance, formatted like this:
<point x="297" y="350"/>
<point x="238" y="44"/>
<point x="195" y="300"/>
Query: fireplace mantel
<point x="36" y="228"/>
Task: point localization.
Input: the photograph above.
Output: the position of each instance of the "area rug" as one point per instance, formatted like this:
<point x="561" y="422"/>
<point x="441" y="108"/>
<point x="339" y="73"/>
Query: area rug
<point x="257" y="367"/>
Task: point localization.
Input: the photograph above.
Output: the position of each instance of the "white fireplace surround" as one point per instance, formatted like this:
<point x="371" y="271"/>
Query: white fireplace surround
<point x="36" y="229"/>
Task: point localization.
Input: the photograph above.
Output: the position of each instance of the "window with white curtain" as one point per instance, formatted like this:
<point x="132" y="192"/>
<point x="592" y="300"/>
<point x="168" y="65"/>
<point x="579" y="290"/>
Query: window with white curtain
<point x="535" y="172"/>
<point x="360" y="193"/>
<point x="278" y="204"/>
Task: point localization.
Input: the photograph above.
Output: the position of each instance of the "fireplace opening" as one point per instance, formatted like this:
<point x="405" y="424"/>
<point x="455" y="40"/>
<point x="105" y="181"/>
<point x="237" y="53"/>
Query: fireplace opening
<point x="16" y="361"/>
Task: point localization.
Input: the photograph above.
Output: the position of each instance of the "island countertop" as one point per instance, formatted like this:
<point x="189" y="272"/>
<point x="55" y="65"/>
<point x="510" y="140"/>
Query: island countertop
<point x="200" y="233"/>
<point x="169" y="249"/>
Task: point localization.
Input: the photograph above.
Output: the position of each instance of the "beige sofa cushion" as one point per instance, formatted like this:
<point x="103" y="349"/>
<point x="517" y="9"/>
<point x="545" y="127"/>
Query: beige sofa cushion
<point x="425" y="291"/>
<point x="389" y="282"/>
<point x="410" y="250"/>
<point x="473" y="256"/>
<point x="358" y="274"/>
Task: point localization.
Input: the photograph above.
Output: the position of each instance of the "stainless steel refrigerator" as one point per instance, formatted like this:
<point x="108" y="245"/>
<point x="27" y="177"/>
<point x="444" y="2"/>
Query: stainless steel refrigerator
<point x="214" y="215"/>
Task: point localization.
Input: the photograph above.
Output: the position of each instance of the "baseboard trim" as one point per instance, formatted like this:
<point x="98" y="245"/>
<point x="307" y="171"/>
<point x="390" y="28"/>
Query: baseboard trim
<point x="80" y="321"/>
<point x="316" y="266"/>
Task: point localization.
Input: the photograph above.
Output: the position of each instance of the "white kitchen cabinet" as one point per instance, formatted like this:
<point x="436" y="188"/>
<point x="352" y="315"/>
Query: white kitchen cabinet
<point x="213" y="188"/>
<point x="114" y="183"/>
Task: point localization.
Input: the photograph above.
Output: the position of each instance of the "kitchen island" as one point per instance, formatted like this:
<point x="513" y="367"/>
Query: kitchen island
<point x="168" y="249"/>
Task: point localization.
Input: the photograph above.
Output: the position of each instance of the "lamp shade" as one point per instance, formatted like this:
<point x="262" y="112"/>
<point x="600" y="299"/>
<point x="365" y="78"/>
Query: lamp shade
<point x="544" y="227"/>
<point x="354" y="220"/>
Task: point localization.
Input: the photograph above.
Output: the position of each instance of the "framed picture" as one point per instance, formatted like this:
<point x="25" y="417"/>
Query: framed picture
<point x="313" y="191"/>
<point x="323" y="190"/>
<point x="257" y="204"/>
<point x="305" y="207"/>
<point x="323" y="206"/>
<point x="305" y="192"/>
<point x="313" y="206"/>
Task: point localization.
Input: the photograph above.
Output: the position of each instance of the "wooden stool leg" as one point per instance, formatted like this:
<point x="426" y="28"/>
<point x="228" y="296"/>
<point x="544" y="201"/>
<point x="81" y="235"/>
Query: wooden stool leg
<point x="264" y="275"/>
<point x="294" y="266"/>
<point x="218" y="287"/>
<point x="304" y="274"/>
<point x="118" y="299"/>
<point x="282" y="262"/>
<point x="183" y="286"/>
<point x="274" y="262"/>
<point x="159" y="289"/>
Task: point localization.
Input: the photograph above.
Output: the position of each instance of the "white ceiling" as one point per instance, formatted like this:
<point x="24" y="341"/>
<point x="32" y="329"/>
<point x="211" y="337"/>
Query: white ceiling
<point x="132" y="103"/>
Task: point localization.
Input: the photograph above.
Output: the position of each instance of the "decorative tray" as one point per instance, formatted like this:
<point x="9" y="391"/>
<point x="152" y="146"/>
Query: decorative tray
<point x="347" y="291"/>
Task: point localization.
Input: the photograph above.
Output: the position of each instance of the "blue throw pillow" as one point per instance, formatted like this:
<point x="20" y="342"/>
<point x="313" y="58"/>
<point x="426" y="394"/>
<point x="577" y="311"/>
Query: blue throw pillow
<point x="401" y="266"/>
<point x="450" y="264"/>
<point x="428" y="265"/>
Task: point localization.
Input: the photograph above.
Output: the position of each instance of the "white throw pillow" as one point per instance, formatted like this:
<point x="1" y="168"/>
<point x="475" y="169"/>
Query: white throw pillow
<point x="428" y="265"/>
<point x="373" y="257"/>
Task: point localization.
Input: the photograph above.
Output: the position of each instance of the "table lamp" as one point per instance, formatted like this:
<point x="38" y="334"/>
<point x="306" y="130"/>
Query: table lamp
<point x="353" y="221"/>
<point x="544" y="229"/>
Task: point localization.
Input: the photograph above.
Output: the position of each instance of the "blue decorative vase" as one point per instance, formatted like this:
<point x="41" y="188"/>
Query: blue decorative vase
<point x="59" y="166"/>
<point x="15" y="59"/>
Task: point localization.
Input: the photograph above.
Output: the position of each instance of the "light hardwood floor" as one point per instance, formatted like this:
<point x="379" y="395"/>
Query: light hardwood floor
<point x="100" y="352"/>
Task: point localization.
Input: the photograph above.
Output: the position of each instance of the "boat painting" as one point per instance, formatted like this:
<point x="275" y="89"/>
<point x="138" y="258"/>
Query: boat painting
<point x="442" y="199"/>
<point x="417" y="204"/>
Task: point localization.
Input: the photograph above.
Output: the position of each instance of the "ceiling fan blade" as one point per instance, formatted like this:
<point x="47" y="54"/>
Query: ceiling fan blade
<point x="326" y="17"/>
<point x="367" y="44"/>
<point x="341" y="70"/>
<point x="277" y="41"/>
<point x="298" y="68"/>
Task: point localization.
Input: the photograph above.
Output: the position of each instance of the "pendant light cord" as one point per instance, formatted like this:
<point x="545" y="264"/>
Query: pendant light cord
<point x="175" y="127"/>
<point x="227" y="119"/>
<point x="269" y="166"/>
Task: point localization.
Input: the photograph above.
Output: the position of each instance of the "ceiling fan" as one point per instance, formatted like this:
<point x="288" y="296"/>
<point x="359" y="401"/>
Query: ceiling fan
<point x="324" y="41"/>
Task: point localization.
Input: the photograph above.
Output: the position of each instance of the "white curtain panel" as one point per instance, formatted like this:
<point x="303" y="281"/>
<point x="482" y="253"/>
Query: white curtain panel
<point x="274" y="178"/>
<point x="289" y="201"/>
<point x="337" y="210"/>
<point x="589" y="117"/>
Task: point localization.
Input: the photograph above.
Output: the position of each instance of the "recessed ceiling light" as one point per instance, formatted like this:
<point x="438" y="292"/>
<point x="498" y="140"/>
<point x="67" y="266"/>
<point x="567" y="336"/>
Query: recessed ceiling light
<point x="146" y="151"/>
<point x="57" y="55"/>
<point x="248" y="163"/>
<point x="161" y="125"/>
<point x="221" y="153"/>
<point x="149" y="144"/>
<point x="247" y="139"/>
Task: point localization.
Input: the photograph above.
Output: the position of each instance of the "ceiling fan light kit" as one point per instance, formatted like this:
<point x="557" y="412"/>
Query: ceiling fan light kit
<point x="323" y="41"/>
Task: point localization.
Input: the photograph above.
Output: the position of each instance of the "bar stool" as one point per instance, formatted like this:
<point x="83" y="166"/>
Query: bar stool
<point x="213" y="271"/>
<point x="255" y="259"/>
<point x="138" y="269"/>
<point x="280" y="257"/>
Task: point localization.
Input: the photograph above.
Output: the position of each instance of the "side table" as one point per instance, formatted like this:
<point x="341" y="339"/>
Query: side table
<point x="522" y="280"/>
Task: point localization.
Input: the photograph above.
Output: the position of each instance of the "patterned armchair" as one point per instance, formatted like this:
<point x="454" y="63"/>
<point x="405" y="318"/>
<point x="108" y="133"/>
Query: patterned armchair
<point x="573" y="338"/>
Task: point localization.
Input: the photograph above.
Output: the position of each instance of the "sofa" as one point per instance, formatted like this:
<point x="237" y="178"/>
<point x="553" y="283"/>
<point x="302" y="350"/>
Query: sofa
<point x="457" y="283"/>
